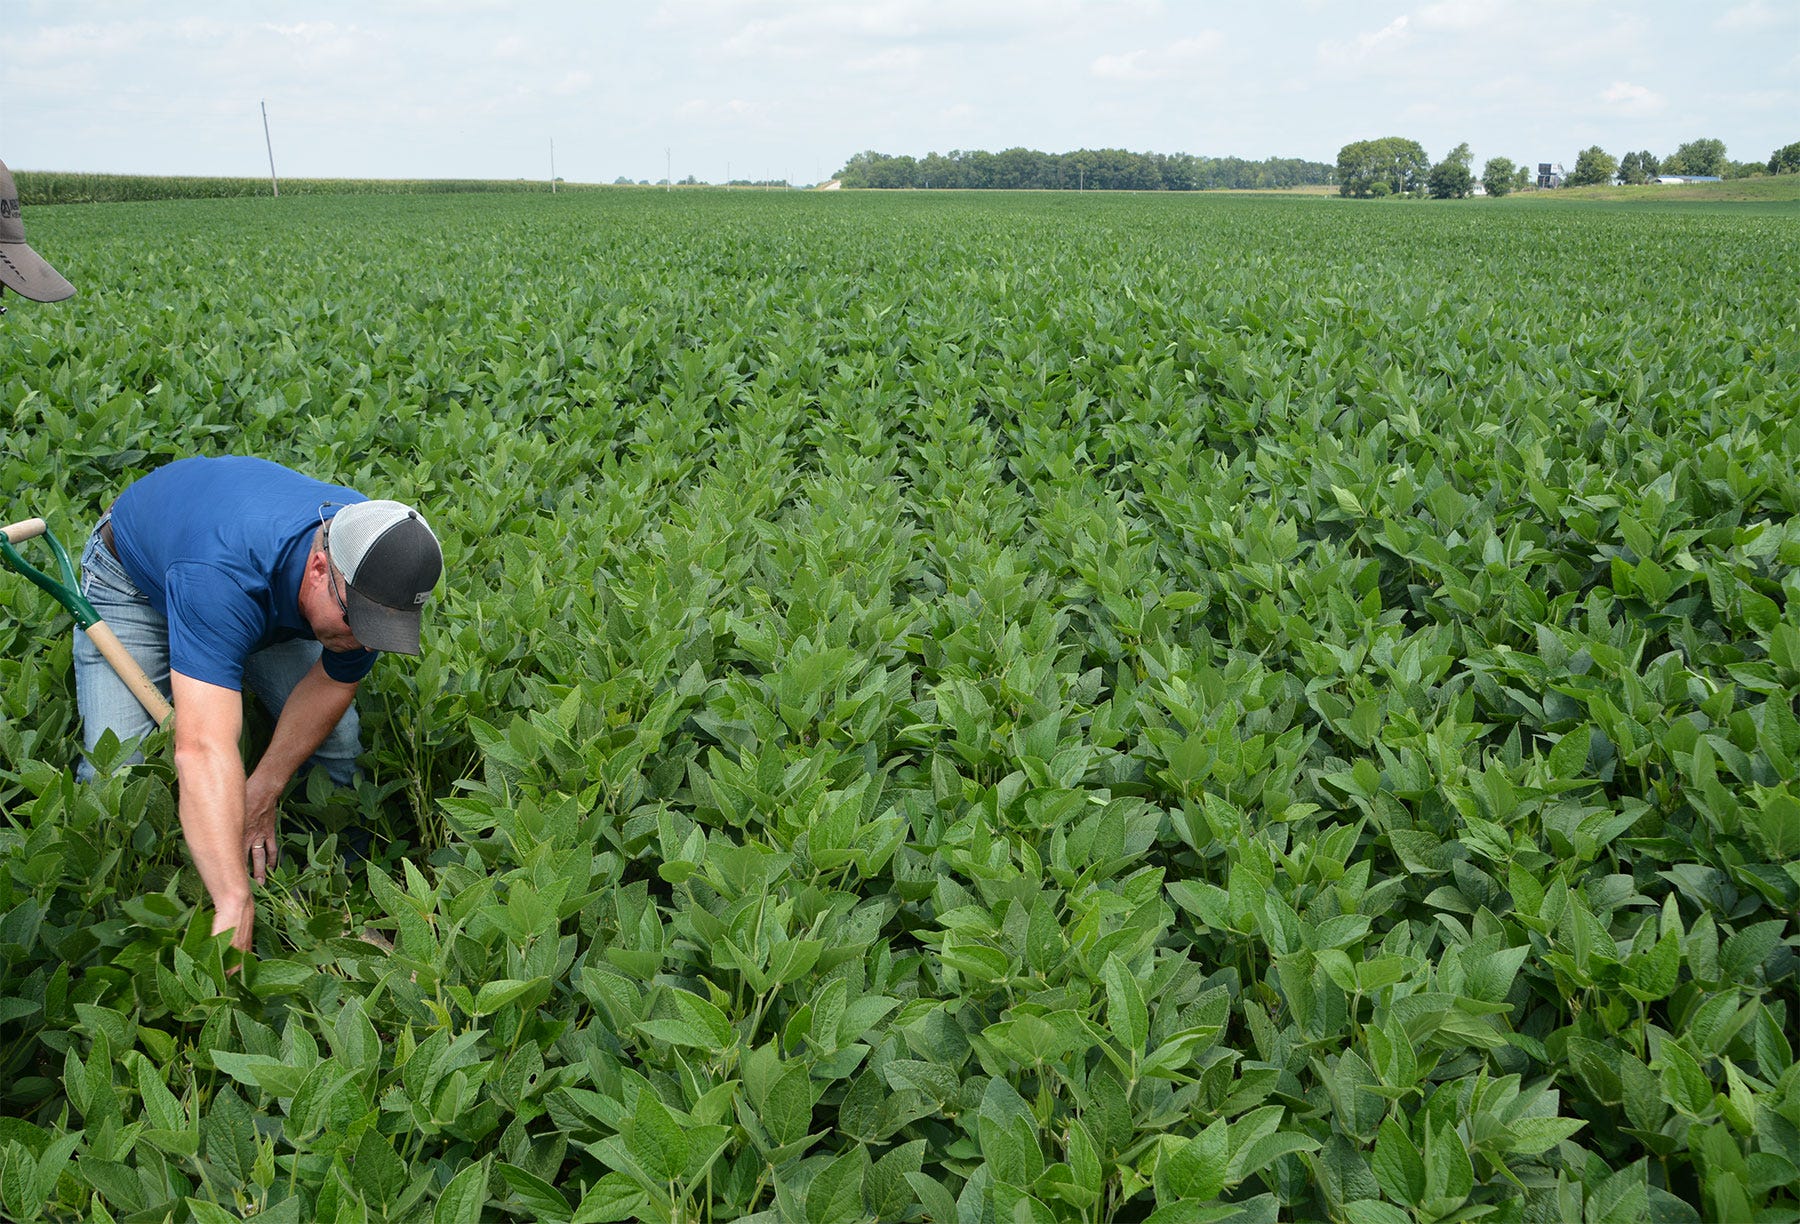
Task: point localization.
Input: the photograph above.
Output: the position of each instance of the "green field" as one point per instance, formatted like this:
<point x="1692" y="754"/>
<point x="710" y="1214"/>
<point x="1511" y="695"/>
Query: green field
<point x="967" y="707"/>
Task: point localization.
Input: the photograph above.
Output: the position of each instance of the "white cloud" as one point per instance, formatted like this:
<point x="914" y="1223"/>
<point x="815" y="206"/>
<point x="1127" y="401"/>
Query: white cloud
<point x="1356" y="50"/>
<point x="1762" y="100"/>
<point x="317" y="44"/>
<point x="1755" y="15"/>
<point x="1156" y="63"/>
<point x="572" y="83"/>
<point x="704" y="108"/>
<point x="1626" y="98"/>
<point x="1459" y="14"/>
<point x="85" y="40"/>
<point x="301" y="31"/>
<point x="1125" y="66"/>
<point x="763" y="28"/>
<point x="893" y="59"/>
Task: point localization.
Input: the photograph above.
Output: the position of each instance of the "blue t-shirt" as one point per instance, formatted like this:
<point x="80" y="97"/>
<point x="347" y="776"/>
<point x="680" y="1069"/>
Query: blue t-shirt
<point x="219" y="546"/>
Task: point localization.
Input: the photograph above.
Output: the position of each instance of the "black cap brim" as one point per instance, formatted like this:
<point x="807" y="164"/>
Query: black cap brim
<point x="379" y="627"/>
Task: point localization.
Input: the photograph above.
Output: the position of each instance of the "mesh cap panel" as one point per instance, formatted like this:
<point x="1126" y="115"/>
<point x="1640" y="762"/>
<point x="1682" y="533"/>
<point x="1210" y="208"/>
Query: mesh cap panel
<point x="356" y="527"/>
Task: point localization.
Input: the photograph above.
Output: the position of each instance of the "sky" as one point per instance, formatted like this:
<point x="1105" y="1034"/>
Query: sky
<point x="790" y="89"/>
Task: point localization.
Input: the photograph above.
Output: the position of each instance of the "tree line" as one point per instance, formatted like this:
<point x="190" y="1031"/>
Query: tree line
<point x="1394" y="165"/>
<point x="1090" y="169"/>
<point x="1705" y="158"/>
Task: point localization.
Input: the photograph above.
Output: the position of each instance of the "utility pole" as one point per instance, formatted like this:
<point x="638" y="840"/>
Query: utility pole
<point x="273" y="185"/>
<point x="553" y="165"/>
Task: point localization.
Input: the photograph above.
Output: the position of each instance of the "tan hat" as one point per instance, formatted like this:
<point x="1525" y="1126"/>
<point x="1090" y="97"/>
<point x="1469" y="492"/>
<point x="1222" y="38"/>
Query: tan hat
<point x="22" y="269"/>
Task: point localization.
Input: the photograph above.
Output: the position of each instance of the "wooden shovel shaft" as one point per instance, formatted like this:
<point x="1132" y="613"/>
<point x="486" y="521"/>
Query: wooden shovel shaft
<point x="102" y="636"/>
<point x="27" y="529"/>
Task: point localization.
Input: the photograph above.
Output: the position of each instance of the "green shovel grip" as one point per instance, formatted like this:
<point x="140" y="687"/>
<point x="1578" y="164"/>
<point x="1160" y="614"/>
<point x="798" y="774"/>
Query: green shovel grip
<point x="64" y="592"/>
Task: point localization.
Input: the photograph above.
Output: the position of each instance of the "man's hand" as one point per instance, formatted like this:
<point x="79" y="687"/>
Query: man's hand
<point x="261" y="845"/>
<point x="229" y="819"/>
<point x="312" y="710"/>
<point x="240" y="924"/>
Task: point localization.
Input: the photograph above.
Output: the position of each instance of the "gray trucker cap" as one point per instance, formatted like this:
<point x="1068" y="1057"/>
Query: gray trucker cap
<point x="22" y="269"/>
<point x="391" y="562"/>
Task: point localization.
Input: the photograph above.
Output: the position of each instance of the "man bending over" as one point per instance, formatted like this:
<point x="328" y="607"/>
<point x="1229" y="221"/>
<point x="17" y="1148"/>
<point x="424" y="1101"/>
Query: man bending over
<point x="215" y="573"/>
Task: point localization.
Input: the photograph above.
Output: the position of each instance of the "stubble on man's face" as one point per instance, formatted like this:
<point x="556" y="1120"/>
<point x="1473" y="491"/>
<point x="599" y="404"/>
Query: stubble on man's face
<point x="337" y="638"/>
<point x="329" y="617"/>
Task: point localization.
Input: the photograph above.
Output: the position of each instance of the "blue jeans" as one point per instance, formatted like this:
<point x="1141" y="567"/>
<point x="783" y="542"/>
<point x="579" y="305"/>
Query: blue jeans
<point x="106" y="704"/>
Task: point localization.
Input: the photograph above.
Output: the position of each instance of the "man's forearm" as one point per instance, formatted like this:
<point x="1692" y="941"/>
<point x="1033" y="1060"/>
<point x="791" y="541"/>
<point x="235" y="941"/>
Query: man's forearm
<point x="311" y="711"/>
<point x="212" y="820"/>
<point x="208" y="718"/>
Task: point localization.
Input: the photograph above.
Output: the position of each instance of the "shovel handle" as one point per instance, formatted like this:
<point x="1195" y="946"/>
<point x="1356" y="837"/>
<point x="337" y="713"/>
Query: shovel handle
<point x="98" y="631"/>
<point x="102" y="636"/>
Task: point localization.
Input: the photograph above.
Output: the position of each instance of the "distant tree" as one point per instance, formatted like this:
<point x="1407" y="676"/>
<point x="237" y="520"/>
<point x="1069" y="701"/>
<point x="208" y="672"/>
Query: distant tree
<point x="1393" y="160"/>
<point x="1450" y="179"/>
<point x="1497" y="175"/>
<point x="1094" y="169"/>
<point x="1701" y="157"/>
<point x="1649" y="163"/>
<point x="856" y="171"/>
<point x="936" y="170"/>
<point x="1593" y="165"/>
<point x="1379" y="188"/>
<point x="1139" y="171"/>
<point x="978" y="168"/>
<point x="872" y="169"/>
<point x="1739" y="170"/>
<point x="902" y="171"/>
<point x="1786" y="159"/>
<point x="1522" y="179"/>
<point x="1181" y="172"/>
<point x="1631" y="168"/>
<point x="1122" y="170"/>
<point x="1017" y="168"/>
